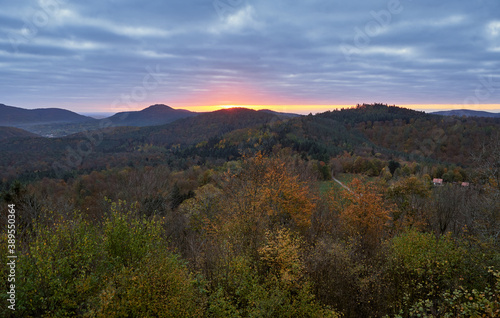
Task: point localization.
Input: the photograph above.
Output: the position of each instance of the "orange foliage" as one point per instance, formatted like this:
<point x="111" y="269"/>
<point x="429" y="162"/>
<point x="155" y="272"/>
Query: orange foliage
<point x="363" y="212"/>
<point x="275" y="191"/>
<point x="264" y="193"/>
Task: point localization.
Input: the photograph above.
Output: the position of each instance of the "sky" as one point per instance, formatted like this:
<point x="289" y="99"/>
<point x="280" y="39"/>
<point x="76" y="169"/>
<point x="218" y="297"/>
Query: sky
<point x="296" y="56"/>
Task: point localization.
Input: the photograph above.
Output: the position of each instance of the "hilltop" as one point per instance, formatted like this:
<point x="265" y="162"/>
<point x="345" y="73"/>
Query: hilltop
<point x="20" y="117"/>
<point x="154" y="115"/>
<point x="366" y="131"/>
<point x="195" y="129"/>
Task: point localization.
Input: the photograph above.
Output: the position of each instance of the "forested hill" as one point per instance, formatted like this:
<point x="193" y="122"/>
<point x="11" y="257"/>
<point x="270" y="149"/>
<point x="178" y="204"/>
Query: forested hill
<point x="234" y="213"/>
<point x="122" y="146"/>
<point x="12" y="132"/>
<point x="367" y="131"/>
<point x="373" y="113"/>
<point x="448" y="139"/>
<point x="192" y="130"/>
<point x="416" y="134"/>
<point x="153" y="115"/>
<point x="19" y="117"/>
<point x="209" y="125"/>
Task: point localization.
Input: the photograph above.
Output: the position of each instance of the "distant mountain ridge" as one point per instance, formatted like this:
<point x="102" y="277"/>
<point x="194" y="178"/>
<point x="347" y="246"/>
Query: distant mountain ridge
<point x="154" y="115"/>
<point x="56" y="122"/>
<point x="194" y="129"/>
<point x="19" y="117"/>
<point x="368" y="130"/>
<point x="467" y="113"/>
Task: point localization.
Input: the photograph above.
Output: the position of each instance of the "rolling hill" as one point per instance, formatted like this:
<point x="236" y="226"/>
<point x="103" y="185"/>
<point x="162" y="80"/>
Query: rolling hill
<point x="116" y="146"/>
<point x="54" y="122"/>
<point x="366" y="130"/>
<point x="192" y="130"/>
<point x="154" y="115"/>
<point x="13" y="132"/>
<point x="280" y="114"/>
<point x="382" y="131"/>
<point x="20" y="117"/>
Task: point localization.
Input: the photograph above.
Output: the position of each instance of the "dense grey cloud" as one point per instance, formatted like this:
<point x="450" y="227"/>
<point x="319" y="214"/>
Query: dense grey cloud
<point x="96" y="55"/>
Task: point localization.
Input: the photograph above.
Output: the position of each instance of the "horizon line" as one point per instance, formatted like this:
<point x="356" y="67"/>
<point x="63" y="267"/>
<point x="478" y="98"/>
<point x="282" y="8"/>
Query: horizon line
<point x="304" y="109"/>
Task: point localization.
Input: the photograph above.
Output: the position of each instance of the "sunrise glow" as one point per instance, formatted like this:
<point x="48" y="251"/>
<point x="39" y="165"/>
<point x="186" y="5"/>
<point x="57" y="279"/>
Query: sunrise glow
<point x="306" y="109"/>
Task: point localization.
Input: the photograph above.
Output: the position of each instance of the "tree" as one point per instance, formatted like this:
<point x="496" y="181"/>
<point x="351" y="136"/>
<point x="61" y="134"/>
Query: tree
<point x="410" y="194"/>
<point x="177" y="197"/>
<point x="487" y="161"/>
<point x="270" y="190"/>
<point x="429" y="277"/>
<point x="393" y="165"/>
<point x="266" y="193"/>
<point x="363" y="212"/>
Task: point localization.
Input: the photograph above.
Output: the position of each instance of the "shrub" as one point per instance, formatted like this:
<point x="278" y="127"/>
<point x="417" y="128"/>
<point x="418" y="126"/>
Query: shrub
<point x="435" y="273"/>
<point x="120" y="268"/>
<point x="61" y="270"/>
<point x="244" y="293"/>
<point x="159" y="286"/>
<point x="129" y="238"/>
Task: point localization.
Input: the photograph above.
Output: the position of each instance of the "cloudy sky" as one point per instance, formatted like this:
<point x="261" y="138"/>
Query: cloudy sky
<point x="90" y="56"/>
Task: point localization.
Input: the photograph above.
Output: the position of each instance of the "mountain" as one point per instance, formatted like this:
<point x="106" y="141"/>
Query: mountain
<point x="195" y="129"/>
<point x="374" y="113"/>
<point x="22" y="118"/>
<point x="154" y="115"/>
<point x="366" y="131"/>
<point x="369" y="130"/>
<point x="13" y="132"/>
<point x="55" y="122"/>
<point x="466" y="113"/>
<point x="118" y="146"/>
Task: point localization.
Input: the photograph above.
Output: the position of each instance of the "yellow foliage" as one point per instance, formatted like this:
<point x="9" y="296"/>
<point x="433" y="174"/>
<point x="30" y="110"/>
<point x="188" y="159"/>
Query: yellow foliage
<point x="282" y="255"/>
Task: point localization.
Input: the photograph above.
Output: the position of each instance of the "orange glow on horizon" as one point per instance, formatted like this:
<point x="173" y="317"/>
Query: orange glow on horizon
<point x="316" y="108"/>
<point x="222" y="95"/>
<point x="306" y="109"/>
<point x="298" y="109"/>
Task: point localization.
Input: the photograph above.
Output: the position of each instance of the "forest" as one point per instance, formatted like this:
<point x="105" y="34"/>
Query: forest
<point x="238" y="213"/>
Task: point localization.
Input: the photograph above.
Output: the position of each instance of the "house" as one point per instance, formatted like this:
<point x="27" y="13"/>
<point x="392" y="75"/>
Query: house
<point x="465" y="184"/>
<point x="437" y="182"/>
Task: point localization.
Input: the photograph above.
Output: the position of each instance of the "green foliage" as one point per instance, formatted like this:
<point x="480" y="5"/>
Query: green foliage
<point x="461" y="303"/>
<point x="119" y="268"/>
<point x="129" y="239"/>
<point x="261" y="236"/>
<point x="410" y="194"/>
<point x="435" y="273"/>
<point x="244" y="293"/>
<point x="203" y="207"/>
<point x="61" y="270"/>
<point x="159" y="286"/>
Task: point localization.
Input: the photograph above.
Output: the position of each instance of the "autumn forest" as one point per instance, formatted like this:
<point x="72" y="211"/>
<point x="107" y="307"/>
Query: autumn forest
<point x="370" y="211"/>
